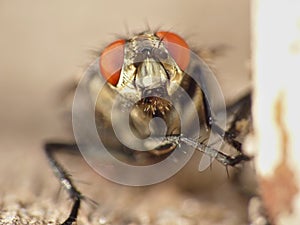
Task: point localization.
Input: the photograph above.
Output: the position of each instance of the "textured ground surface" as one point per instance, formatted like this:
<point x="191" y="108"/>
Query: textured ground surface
<point x="44" y="46"/>
<point x="34" y="197"/>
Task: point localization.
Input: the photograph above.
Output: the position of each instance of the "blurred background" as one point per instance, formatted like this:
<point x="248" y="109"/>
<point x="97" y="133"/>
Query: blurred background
<point x="44" y="45"/>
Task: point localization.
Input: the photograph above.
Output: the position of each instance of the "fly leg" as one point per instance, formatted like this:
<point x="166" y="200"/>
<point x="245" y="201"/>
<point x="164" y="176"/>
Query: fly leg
<point x="242" y="115"/>
<point x="221" y="157"/>
<point x="227" y="160"/>
<point x="242" y="119"/>
<point x="64" y="177"/>
<point x="229" y="137"/>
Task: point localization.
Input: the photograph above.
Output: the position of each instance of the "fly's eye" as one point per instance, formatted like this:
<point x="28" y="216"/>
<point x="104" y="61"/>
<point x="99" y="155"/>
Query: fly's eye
<point x="177" y="48"/>
<point x="111" y="61"/>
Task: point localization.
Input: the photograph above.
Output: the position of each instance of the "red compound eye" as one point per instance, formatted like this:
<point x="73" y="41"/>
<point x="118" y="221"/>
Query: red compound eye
<point x="111" y="61"/>
<point x="177" y="48"/>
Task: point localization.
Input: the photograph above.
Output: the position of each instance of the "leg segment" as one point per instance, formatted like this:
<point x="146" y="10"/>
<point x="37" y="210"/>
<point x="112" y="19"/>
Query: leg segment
<point x="242" y="112"/>
<point x="220" y="156"/>
<point x="64" y="177"/>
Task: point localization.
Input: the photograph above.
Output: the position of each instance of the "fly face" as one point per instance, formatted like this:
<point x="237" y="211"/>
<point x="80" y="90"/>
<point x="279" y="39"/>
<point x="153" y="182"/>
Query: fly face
<point x="147" y="66"/>
<point x="146" y="72"/>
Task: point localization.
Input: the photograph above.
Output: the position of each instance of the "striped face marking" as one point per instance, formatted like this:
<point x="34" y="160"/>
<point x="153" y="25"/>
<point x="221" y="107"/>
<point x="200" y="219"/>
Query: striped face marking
<point x="145" y="63"/>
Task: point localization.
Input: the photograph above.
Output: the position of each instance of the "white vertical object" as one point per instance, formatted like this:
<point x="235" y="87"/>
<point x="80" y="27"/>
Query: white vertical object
<point x="276" y="110"/>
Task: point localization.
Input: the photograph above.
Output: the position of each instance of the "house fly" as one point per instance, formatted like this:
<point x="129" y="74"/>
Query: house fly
<point x="149" y="94"/>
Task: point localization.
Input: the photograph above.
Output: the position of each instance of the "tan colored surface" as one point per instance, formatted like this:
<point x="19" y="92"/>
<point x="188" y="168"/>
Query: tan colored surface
<point x="44" y="45"/>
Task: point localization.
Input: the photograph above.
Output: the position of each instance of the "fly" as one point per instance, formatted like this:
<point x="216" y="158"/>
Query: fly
<point x="155" y="79"/>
